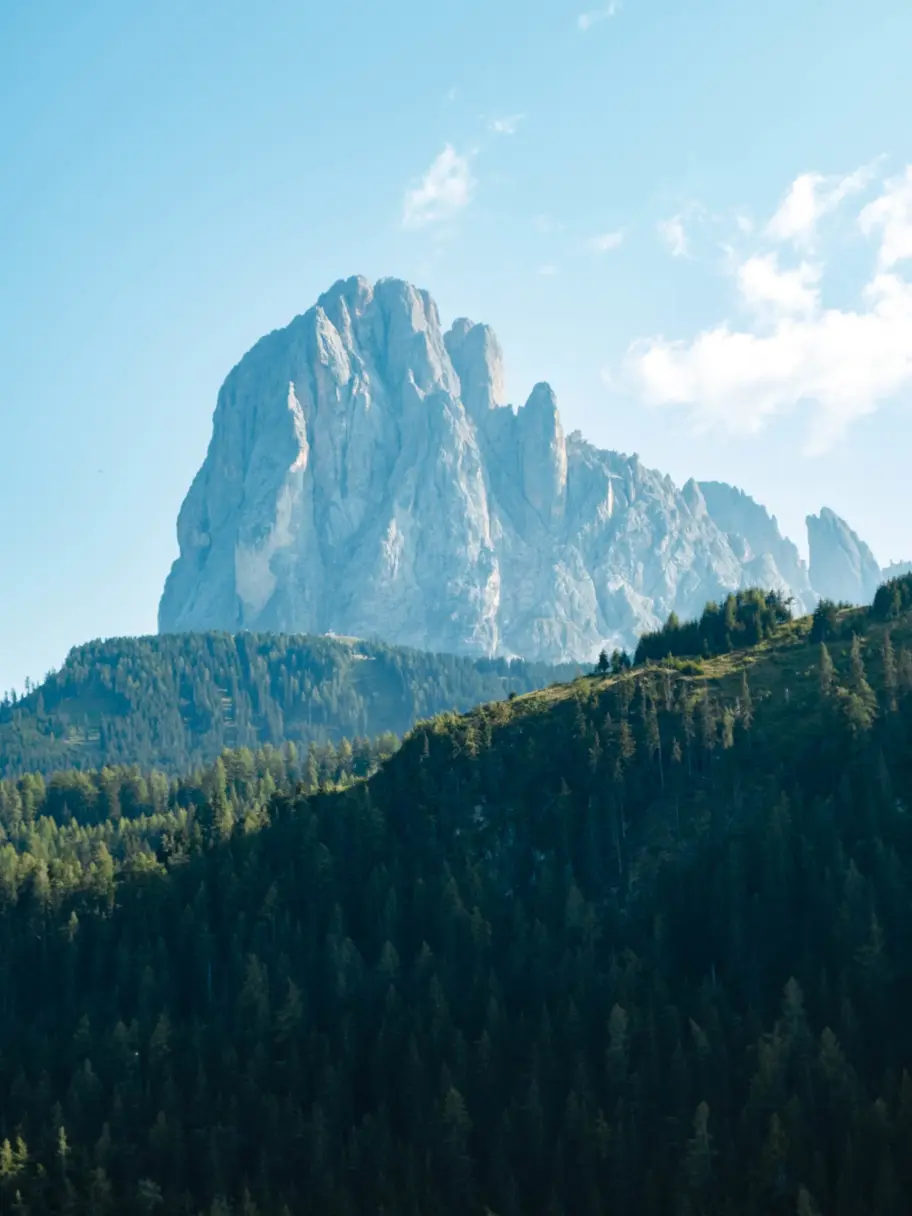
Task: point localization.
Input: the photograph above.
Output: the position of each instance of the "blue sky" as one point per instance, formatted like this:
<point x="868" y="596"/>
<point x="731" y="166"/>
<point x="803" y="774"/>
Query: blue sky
<point x="693" y="220"/>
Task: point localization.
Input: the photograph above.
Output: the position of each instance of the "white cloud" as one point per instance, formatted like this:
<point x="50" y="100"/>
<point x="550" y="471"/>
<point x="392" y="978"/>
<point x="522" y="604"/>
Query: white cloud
<point x="844" y="362"/>
<point x="764" y="286"/>
<point x="673" y="234"/>
<point x="444" y="190"/>
<point x="548" y="270"/>
<point x="810" y="197"/>
<point x="585" y="21"/>
<point x="605" y="242"/>
<point x="507" y="125"/>
<point x="547" y="224"/>
<point x="891" y="215"/>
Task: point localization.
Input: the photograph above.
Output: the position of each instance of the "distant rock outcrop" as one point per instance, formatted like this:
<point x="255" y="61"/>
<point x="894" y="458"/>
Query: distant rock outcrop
<point x="842" y="567"/>
<point x="366" y="476"/>
<point x="773" y="559"/>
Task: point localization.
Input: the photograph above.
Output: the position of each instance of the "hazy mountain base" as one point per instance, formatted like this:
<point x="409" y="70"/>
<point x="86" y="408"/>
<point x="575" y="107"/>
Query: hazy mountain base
<point x="634" y="945"/>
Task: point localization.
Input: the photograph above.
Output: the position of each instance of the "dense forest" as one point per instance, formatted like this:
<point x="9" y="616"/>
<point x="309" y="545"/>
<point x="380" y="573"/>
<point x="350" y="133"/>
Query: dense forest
<point x="175" y="702"/>
<point x="639" y="944"/>
<point x="893" y="598"/>
<point x="743" y="618"/>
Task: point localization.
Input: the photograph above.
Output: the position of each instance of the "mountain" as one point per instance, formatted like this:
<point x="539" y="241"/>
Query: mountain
<point x="770" y="560"/>
<point x="173" y="703"/>
<point x="632" y="945"/>
<point x="842" y="567"/>
<point x="366" y="477"/>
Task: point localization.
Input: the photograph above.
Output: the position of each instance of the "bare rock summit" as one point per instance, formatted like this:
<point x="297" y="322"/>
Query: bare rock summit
<point x="367" y="477"/>
<point x="843" y="568"/>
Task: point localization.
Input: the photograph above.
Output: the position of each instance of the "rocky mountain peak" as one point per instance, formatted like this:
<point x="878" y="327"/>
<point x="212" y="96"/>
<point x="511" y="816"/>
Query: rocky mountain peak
<point x="693" y="496"/>
<point x="772" y="559"/>
<point x="843" y="568"/>
<point x="543" y="454"/>
<point x="366" y="476"/>
<point x="478" y="362"/>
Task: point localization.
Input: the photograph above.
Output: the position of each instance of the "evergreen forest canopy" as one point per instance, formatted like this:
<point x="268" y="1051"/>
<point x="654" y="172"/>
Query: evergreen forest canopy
<point x="746" y="618"/>
<point x="174" y="702"/>
<point x="743" y="618"/>
<point x="639" y="944"/>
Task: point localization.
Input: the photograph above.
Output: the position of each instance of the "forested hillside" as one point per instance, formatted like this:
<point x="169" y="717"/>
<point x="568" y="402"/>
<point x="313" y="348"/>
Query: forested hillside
<point x="174" y="702"/>
<point x="640" y="944"/>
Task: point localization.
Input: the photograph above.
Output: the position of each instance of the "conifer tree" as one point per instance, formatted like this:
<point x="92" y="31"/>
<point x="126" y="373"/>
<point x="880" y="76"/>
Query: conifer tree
<point x="827" y="671"/>
<point x="746" y="703"/>
<point x="859" y="701"/>
<point x="890" y="674"/>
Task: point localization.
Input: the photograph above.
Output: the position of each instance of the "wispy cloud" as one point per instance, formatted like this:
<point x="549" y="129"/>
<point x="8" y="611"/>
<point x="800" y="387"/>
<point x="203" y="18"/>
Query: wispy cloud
<point x="585" y="21"/>
<point x="843" y="361"/>
<point x="891" y="215"/>
<point x="673" y="234"/>
<point x="605" y="242"/>
<point x="446" y="188"/>
<point x="547" y="270"/>
<point x="506" y="125"/>
<point x="810" y="197"/>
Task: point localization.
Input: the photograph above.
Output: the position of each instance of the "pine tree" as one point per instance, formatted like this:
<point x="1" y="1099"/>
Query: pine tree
<point x="890" y="675"/>
<point x="707" y="724"/>
<point x="654" y="739"/>
<point x="746" y="703"/>
<point x="905" y="670"/>
<point x="859" y="682"/>
<point x="676" y="758"/>
<point x="858" y="701"/>
<point x="728" y="729"/>
<point x="700" y="1154"/>
<point x="806" y="1205"/>
<point x="827" y="671"/>
<point x="689" y="733"/>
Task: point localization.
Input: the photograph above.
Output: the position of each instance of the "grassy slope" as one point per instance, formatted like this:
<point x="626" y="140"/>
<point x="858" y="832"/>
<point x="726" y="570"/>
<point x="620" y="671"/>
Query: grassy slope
<point x="782" y="669"/>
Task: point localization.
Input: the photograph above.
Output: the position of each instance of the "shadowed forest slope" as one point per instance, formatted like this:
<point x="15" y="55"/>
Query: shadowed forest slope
<point x="637" y="944"/>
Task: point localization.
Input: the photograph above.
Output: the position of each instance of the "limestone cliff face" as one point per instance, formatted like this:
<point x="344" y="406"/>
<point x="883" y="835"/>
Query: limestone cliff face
<point x="366" y="477"/>
<point x="754" y="534"/>
<point x="843" y="568"/>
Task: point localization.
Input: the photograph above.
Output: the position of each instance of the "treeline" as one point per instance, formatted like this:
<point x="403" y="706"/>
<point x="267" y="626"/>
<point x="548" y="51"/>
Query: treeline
<point x="893" y="598"/>
<point x="742" y="619"/>
<point x="832" y="620"/>
<point x="116" y="793"/>
<point x="630" y="948"/>
<point x="745" y="618"/>
<point x="175" y="702"/>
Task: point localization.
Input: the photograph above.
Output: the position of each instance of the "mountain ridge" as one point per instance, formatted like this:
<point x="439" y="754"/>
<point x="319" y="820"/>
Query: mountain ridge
<point x="173" y="702"/>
